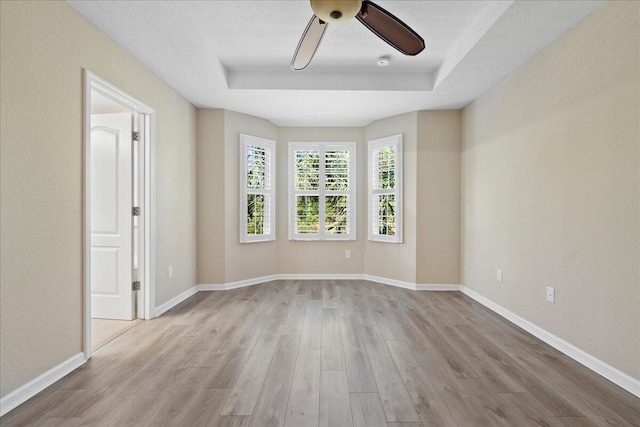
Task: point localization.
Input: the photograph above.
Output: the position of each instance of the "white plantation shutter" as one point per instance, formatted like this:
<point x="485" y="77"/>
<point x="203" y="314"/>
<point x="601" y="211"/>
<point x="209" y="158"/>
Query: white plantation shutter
<point x="385" y="189"/>
<point x="257" y="189"/>
<point x="322" y="191"/>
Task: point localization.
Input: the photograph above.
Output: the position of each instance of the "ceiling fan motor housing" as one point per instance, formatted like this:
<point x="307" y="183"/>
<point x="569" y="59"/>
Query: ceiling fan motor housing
<point x="336" y="11"/>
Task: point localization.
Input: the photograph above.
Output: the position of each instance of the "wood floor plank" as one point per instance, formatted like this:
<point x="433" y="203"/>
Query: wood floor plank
<point x="106" y="411"/>
<point x="315" y="294"/>
<point x="232" y="421"/>
<point x="270" y="354"/>
<point x="359" y="371"/>
<point x="34" y="410"/>
<point x="140" y="410"/>
<point x="427" y="401"/>
<point x="367" y="410"/>
<point x="397" y="403"/>
<point x="487" y="400"/>
<point x="227" y="369"/>
<point x="523" y="409"/>
<point x="246" y="391"/>
<point x="584" y="402"/>
<point x="177" y="401"/>
<point x="463" y="406"/>
<point x="332" y="351"/>
<point x="587" y="384"/>
<point x="345" y="306"/>
<point x="303" y="408"/>
<point x="205" y="408"/>
<point x="272" y="404"/>
<point x="549" y="398"/>
<point x="329" y="295"/>
<point x="576" y="422"/>
<point x="335" y="407"/>
<point x="458" y="362"/>
<point x="364" y="311"/>
<point x="312" y="326"/>
<point x="61" y="422"/>
<point x="485" y="365"/>
<point x="295" y="320"/>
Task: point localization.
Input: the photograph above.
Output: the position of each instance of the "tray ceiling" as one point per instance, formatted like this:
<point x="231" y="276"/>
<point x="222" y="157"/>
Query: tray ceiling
<point x="236" y="54"/>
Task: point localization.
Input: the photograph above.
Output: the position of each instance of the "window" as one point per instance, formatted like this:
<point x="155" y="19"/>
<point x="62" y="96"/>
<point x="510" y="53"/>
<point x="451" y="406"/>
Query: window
<point x="322" y="191"/>
<point x="385" y="189"/>
<point x="257" y="189"/>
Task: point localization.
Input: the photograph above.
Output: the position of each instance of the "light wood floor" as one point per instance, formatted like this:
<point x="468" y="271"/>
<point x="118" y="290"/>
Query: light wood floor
<point x="104" y="330"/>
<point x="329" y="353"/>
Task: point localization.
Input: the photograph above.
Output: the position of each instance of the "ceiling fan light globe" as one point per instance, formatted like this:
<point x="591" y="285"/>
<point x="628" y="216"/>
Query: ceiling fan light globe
<point x="336" y="11"/>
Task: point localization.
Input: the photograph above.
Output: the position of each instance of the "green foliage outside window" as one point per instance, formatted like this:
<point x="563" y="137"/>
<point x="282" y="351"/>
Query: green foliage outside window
<point x="256" y="180"/>
<point x="386" y="165"/>
<point x="387" y="214"/>
<point x="255" y="214"/>
<point x="386" y="168"/>
<point x="336" y="213"/>
<point x="336" y="165"/>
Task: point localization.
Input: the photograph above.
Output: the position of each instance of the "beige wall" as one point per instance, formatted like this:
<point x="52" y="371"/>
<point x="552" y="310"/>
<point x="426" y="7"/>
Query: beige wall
<point x="297" y="257"/>
<point x="440" y="145"/>
<point x="438" y="198"/>
<point x="243" y="260"/>
<point x="44" y="46"/>
<point x="221" y="256"/>
<point x="210" y="170"/>
<point x="551" y="188"/>
<point x="390" y="260"/>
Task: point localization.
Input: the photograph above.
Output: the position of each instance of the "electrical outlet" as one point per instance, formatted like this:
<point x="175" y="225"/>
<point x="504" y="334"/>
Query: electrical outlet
<point x="347" y="254"/>
<point x="551" y="295"/>
<point x="499" y="275"/>
<point x="170" y="271"/>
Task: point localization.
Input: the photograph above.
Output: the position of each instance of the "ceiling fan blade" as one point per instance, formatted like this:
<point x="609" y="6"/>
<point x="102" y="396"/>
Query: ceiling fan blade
<point x="390" y="29"/>
<point x="308" y="44"/>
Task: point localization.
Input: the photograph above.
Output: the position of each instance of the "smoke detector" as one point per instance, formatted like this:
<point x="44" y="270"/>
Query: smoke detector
<point x="383" y="61"/>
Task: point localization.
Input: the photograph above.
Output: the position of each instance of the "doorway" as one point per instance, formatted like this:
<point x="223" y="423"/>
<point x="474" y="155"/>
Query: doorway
<point x="118" y="212"/>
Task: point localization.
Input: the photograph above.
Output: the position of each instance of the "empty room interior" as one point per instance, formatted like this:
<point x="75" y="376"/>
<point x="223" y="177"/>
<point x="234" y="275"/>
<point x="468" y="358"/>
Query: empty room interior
<point x="320" y="213"/>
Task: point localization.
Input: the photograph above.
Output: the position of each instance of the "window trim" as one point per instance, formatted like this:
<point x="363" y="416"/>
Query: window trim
<point x="394" y="141"/>
<point x="270" y="145"/>
<point x="322" y="147"/>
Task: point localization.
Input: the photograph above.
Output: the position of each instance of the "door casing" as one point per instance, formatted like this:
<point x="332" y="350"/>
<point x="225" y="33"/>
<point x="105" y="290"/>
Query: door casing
<point x="146" y="302"/>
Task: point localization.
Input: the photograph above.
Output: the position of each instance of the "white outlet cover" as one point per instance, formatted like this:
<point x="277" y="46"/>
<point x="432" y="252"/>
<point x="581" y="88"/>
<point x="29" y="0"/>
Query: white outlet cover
<point x="551" y="294"/>
<point x="499" y="275"/>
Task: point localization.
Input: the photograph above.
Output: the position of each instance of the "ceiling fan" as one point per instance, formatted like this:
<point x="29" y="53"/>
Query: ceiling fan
<point x="379" y="21"/>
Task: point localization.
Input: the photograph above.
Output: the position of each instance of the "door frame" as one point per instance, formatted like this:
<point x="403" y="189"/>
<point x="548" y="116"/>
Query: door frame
<point x="146" y="294"/>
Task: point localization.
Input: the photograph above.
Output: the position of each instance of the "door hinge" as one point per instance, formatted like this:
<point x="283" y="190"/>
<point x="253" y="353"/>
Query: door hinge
<point x="135" y="211"/>
<point x="135" y="136"/>
<point x="135" y="286"/>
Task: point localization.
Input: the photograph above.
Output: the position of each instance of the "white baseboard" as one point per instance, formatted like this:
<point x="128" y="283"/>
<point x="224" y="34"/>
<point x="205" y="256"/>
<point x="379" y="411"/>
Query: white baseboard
<point x="211" y="287"/>
<point x="174" y="301"/>
<point x="390" y="282"/>
<point x="238" y="284"/>
<point x="250" y="282"/>
<point x="377" y="279"/>
<point x="437" y="287"/>
<point x="320" y="276"/>
<point x="614" y="375"/>
<point x="35" y="386"/>
<point x="412" y="286"/>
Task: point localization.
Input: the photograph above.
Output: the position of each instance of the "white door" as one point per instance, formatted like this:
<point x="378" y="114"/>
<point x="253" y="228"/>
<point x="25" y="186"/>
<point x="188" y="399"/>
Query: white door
<point x="111" y="218"/>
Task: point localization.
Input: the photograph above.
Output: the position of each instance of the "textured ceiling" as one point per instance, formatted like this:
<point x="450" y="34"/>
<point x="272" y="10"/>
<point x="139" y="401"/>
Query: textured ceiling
<point x="236" y="54"/>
